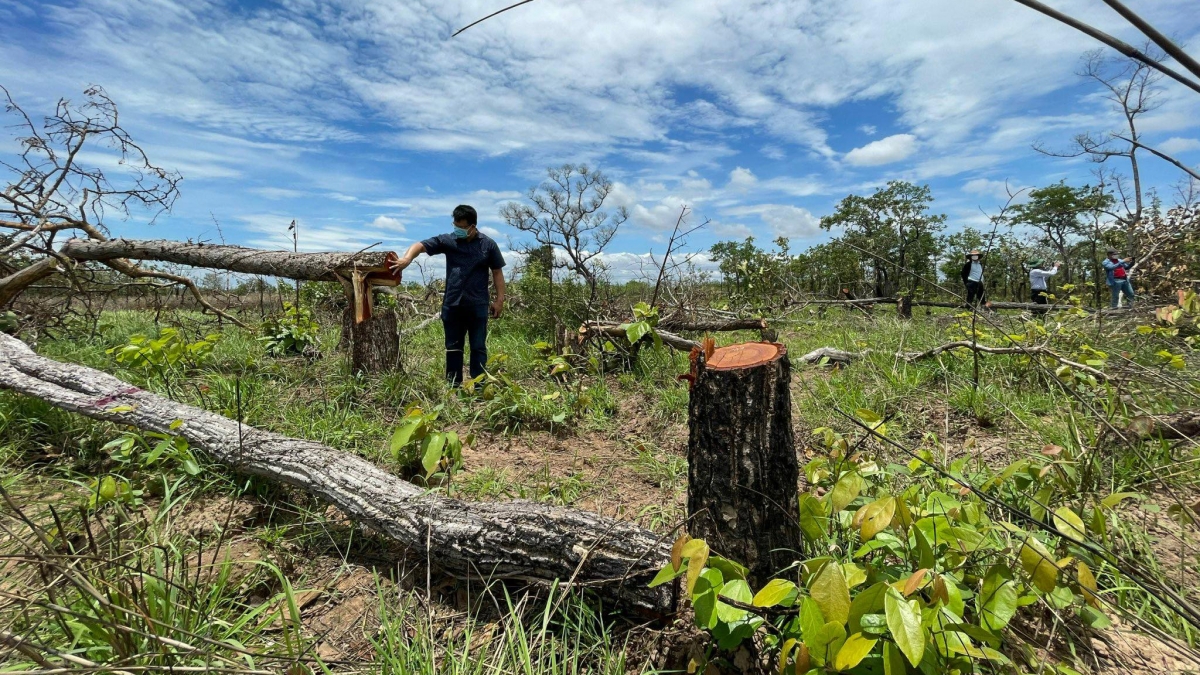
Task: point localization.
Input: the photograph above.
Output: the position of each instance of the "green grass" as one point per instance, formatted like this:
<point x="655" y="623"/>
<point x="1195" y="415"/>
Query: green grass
<point x="933" y="404"/>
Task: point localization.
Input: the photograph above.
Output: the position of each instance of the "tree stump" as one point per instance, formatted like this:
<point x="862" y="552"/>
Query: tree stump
<point x="904" y="307"/>
<point x="742" y="468"/>
<point x="374" y="344"/>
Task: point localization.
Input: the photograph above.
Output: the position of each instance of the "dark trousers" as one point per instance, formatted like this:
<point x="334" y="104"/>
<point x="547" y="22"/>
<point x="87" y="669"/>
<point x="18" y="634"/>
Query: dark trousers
<point x="461" y="323"/>
<point x="1039" y="297"/>
<point x="974" y="292"/>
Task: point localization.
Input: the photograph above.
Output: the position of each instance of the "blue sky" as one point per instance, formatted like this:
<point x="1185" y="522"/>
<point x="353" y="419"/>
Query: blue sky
<point x="366" y="122"/>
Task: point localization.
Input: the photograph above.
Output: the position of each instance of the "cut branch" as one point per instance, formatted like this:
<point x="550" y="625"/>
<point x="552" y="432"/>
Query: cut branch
<point x="516" y="540"/>
<point x="12" y="285"/>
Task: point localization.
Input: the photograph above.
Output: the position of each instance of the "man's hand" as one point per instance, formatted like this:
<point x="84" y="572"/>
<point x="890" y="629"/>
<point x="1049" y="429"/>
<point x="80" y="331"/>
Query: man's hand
<point x="400" y="264"/>
<point x="497" y="308"/>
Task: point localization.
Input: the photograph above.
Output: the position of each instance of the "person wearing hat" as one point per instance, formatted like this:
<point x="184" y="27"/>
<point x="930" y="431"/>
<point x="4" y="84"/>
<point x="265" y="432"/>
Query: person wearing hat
<point x="972" y="276"/>
<point x="1118" y="279"/>
<point x="1037" y="282"/>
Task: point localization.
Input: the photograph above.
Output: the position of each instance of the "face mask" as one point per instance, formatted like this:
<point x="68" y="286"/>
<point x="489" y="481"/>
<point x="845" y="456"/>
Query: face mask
<point x="460" y="233"/>
<point x="974" y="257"/>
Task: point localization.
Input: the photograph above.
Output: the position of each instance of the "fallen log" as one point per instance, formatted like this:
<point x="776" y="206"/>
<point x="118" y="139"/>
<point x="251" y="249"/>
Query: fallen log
<point x="1182" y="425"/>
<point x="287" y="264"/>
<point x="613" y="330"/>
<point x="742" y="467"/>
<point x="831" y="356"/>
<point x="491" y="540"/>
<point x="374" y="343"/>
<point x="713" y="326"/>
<point x="12" y="285"/>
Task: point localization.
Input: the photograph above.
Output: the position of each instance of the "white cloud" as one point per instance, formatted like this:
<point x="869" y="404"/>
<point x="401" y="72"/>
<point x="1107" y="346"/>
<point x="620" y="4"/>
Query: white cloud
<point x="741" y="179"/>
<point x="387" y="223"/>
<point x="983" y="186"/>
<point x="1176" y="145"/>
<point x="884" y="151"/>
<point x="784" y="220"/>
<point x="869" y="129"/>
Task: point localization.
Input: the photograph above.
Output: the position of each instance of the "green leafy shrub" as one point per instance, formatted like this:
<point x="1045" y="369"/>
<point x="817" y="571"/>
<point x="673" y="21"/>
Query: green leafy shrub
<point x="923" y="579"/>
<point x="292" y="334"/>
<point x="165" y="352"/>
<point x="419" y="441"/>
<point x="151" y="450"/>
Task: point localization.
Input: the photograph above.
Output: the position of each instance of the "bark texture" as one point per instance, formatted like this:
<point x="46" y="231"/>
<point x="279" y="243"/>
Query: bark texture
<point x="742" y="467"/>
<point x="616" y="332"/>
<point x="374" y="344"/>
<point x="12" y="285"/>
<point x="509" y="540"/>
<point x="1176" y="426"/>
<point x="301" y="266"/>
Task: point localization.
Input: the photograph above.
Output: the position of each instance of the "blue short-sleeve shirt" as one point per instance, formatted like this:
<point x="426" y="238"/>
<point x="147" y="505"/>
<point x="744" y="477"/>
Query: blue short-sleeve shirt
<point x="469" y="263"/>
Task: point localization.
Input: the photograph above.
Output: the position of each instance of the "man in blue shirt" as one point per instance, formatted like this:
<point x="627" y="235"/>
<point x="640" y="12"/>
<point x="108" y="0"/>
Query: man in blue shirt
<point x="470" y="255"/>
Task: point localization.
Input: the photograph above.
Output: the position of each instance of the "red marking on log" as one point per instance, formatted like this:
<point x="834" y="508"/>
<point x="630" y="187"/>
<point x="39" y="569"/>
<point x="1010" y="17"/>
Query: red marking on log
<point x="105" y="400"/>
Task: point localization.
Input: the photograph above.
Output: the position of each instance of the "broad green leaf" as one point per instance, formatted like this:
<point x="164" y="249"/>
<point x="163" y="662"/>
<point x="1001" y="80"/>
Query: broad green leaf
<point x="811" y="619"/>
<point x="1115" y="498"/>
<point x="697" y="557"/>
<point x="854" y="650"/>
<point x="878" y="516"/>
<point x="925" y="555"/>
<point x="403" y="434"/>
<point x="108" y="487"/>
<point x="828" y="642"/>
<point x="813" y="520"/>
<point x="729" y="569"/>
<point x="1087" y="583"/>
<point x="832" y="595"/>
<point x="784" y="652"/>
<point x="705" y="608"/>
<point x="904" y="621"/>
<point x="775" y="592"/>
<point x="869" y="601"/>
<point x="433" y="452"/>
<point x="737" y="590"/>
<point x="1039" y="564"/>
<point x="868" y="416"/>
<point x="1069" y="524"/>
<point x="845" y="491"/>
<point x="893" y="660"/>
<point x="996" y="603"/>
<point x="665" y="574"/>
<point x="677" y="550"/>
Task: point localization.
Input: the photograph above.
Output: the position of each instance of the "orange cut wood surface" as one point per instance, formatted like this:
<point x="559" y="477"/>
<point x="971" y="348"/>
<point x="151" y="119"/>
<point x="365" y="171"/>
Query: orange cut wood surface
<point x="744" y="355"/>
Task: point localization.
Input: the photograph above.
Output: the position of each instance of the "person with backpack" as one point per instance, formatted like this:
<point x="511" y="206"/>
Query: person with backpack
<point x="1118" y="279"/>
<point x="1037" y="282"/>
<point x="972" y="276"/>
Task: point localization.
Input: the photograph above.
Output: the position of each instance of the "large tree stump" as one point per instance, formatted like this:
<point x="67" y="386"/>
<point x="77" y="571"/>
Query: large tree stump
<point x="742" y="468"/>
<point x="374" y="343"/>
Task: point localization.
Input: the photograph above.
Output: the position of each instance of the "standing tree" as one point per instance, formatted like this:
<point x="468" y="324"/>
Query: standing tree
<point x="894" y="228"/>
<point x="1058" y="212"/>
<point x="566" y="212"/>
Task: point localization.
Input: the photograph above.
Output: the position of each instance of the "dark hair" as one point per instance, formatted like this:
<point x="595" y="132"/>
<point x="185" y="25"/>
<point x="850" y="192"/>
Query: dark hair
<point x="464" y="212"/>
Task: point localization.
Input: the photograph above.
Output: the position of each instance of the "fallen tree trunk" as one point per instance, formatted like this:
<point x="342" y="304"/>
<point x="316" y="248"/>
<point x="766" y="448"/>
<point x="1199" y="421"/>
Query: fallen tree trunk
<point x="742" y="467"/>
<point x="12" y="285"/>
<point x="1175" y="426"/>
<point x="512" y="540"/>
<point x="615" y="331"/>
<point x="287" y="264"/>
<point x="713" y="326"/>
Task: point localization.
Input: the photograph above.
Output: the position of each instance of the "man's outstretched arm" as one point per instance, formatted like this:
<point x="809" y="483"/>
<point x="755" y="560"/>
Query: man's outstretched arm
<point x="410" y="255"/>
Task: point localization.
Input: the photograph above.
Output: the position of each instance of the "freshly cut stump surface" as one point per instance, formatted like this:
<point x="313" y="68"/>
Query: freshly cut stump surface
<point x="742" y="467"/>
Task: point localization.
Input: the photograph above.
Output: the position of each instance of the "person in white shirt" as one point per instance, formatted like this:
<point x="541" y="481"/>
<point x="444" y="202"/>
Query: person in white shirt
<point x="1037" y="282"/>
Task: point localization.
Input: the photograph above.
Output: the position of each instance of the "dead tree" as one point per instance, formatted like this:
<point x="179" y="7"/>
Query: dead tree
<point x="51" y="189"/>
<point x="517" y="540"/>
<point x="742" y="467"/>
<point x="567" y="213"/>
